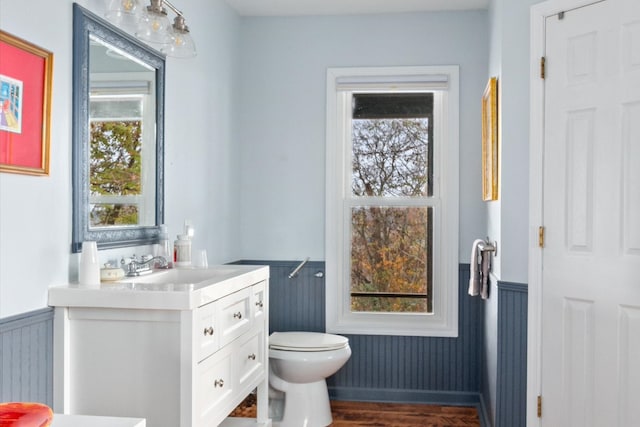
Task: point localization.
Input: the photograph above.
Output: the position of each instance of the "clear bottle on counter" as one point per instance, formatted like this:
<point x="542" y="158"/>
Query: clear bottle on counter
<point x="164" y="246"/>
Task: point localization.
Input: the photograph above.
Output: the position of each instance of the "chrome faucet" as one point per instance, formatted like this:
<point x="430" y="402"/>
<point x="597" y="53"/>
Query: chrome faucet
<point x="137" y="267"/>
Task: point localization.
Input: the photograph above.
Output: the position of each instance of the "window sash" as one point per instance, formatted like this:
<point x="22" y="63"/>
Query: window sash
<point x="339" y="318"/>
<point x="133" y="92"/>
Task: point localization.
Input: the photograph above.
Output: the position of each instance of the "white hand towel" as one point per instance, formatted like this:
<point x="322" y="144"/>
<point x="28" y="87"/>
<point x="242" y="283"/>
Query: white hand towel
<point x="474" y="280"/>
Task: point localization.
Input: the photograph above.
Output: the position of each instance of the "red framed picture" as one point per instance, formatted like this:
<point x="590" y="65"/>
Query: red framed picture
<point x="25" y="106"/>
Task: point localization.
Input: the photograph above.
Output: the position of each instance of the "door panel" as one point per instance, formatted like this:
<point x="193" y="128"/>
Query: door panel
<point x="591" y="214"/>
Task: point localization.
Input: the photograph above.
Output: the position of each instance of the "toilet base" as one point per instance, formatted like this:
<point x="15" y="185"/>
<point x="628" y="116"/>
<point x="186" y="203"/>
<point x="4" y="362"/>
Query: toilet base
<point x="305" y="405"/>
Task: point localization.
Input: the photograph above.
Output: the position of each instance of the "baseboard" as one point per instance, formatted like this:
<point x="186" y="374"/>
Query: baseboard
<point x="433" y="397"/>
<point x="483" y="412"/>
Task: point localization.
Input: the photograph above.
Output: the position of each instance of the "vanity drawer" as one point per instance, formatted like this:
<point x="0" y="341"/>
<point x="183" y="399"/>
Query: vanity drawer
<point x="206" y="333"/>
<point x="251" y="359"/>
<point x="215" y="386"/>
<point x="233" y="316"/>
<point x="259" y="300"/>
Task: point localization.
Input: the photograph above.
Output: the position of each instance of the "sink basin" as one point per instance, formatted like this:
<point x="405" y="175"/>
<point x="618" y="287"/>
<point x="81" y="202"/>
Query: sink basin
<point x="184" y="276"/>
<point x="173" y="289"/>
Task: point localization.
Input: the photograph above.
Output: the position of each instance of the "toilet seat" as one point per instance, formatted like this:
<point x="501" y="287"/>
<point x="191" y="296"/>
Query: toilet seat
<point x="306" y="341"/>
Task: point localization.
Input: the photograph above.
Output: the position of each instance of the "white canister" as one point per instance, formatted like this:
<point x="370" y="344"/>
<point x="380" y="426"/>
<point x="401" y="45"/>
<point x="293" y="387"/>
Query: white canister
<point x="89" y="271"/>
<point x="182" y="251"/>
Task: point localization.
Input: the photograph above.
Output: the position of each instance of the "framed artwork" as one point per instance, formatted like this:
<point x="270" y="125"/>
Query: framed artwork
<point x="490" y="141"/>
<point x="25" y="106"/>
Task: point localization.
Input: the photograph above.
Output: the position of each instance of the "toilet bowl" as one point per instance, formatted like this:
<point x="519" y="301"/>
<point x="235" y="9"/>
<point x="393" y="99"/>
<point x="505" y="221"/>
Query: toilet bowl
<point x="299" y="363"/>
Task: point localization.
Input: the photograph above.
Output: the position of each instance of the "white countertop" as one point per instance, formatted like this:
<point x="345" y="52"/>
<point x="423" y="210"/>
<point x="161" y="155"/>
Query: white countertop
<point x="61" y="420"/>
<point x="174" y="289"/>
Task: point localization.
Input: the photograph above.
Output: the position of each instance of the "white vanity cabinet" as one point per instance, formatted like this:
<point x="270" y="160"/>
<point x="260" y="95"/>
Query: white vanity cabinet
<point x="178" y="355"/>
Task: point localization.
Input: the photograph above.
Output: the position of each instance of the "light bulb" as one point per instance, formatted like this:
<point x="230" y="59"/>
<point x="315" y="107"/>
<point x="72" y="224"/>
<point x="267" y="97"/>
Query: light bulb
<point x="124" y="14"/>
<point x="156" y="25"/>
<point x="154" y="28"/>
<point x="128" y="5"/>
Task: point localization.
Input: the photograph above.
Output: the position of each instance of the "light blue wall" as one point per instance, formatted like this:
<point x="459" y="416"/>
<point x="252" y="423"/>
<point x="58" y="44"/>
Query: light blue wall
<point x="245" y="136"/>
<point x="245" y="133"/>
<point x="281" y="115"/>
<point x="201" y="166"/>
<point x="508" y="217"/>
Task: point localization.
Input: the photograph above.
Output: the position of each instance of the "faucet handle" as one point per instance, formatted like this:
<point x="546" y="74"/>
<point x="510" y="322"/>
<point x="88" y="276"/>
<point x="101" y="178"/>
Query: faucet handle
<point x="128" y="260"/>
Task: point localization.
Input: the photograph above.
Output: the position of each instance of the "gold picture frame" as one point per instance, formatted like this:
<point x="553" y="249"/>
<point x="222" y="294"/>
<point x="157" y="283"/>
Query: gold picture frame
<point x="490" y="141"/>
<point x="25" y="106"/>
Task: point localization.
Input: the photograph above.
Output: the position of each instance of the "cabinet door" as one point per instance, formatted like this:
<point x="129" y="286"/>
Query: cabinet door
<point x="215" y="386"/>
<point x="234" y="315"/>
<point x="250" y="359"/>
<point x="206" y="334"/>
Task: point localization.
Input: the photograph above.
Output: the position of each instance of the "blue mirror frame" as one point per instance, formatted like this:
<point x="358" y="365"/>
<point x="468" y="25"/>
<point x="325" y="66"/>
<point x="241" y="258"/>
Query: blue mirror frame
<point x="85" y="24"/>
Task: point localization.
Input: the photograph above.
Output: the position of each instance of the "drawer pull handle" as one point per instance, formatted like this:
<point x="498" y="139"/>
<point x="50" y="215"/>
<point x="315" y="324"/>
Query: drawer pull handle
<point x="252" y="356"/>
<point x="208" y="331"/>
<point x="260" y="304"/>
<point x="218" y="383"/>
<point x="237" y="315"/>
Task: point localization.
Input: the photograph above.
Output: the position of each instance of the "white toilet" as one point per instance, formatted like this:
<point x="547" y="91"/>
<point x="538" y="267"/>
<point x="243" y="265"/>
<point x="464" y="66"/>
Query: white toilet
<point x="299" y="363"/>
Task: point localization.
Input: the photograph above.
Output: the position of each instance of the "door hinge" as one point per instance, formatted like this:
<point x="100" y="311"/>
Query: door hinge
<point x="541" y="236"/>
<point x="539" y="406"/>
<point x="543" y="68"/>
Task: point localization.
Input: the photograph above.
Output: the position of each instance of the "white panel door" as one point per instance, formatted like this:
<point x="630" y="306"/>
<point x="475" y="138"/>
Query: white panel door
<point x="590" y="366"/>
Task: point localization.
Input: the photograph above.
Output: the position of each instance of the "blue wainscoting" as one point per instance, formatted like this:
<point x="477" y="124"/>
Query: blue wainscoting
<point x="382" y="368"/>
<point x="385" y="368"/>
<point x="26" y="357"/>
<point x="511" y="388"/>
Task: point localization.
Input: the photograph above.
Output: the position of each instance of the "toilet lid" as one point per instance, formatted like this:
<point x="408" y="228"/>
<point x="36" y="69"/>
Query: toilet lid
<point x="306" y="341"/>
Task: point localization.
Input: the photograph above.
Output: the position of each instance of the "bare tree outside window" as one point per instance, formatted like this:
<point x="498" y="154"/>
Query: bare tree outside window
<point x="391" y="260"/>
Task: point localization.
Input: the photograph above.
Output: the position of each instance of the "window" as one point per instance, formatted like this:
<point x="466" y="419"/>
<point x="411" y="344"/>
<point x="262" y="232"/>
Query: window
<point x="120" y="179"/>
<point x="392" y="201"/>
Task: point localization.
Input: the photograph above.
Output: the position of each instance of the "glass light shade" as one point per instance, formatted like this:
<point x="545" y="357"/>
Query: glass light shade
<point x="181" y="45"/>
<point x="124" y="14"/>
<point x="154" y="28"/>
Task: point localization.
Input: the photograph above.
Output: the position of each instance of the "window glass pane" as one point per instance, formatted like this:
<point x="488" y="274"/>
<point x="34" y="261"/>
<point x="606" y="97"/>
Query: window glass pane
<point x="392" y="154"/>
<point x="391" y="259"/>
<point x="102" y="214"/>
<point x="115" y="161"/>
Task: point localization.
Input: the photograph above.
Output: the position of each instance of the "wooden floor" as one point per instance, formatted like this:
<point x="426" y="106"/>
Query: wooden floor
<point x="369" y="414"/>
<point x="366" y="414"/>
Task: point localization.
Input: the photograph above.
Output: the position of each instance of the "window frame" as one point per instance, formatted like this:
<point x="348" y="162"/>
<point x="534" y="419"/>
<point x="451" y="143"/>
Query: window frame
<point x="341" y="83"/>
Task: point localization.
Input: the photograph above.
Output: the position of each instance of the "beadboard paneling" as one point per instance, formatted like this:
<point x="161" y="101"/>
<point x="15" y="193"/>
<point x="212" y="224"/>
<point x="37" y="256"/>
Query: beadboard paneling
<point x="420" y="363"/>
<point x="382" y="368"/>
<point x="397" y="365"/>
<point x="297" y="303"/>
<point x="511" y="388"/>
<point x="26" y="357"/>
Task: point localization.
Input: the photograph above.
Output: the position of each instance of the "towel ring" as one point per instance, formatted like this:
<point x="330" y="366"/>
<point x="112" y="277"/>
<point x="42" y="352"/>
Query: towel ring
<point x="488" y="246"/>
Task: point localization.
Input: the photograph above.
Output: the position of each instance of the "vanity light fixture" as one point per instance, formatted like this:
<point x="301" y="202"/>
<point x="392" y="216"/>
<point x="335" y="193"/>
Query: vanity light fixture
<point x="151" y="24"/>
<point x="124" y="14"/>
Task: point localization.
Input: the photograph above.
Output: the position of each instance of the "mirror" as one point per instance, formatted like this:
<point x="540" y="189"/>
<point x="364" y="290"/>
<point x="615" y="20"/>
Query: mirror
<point x="118" y="136"/>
